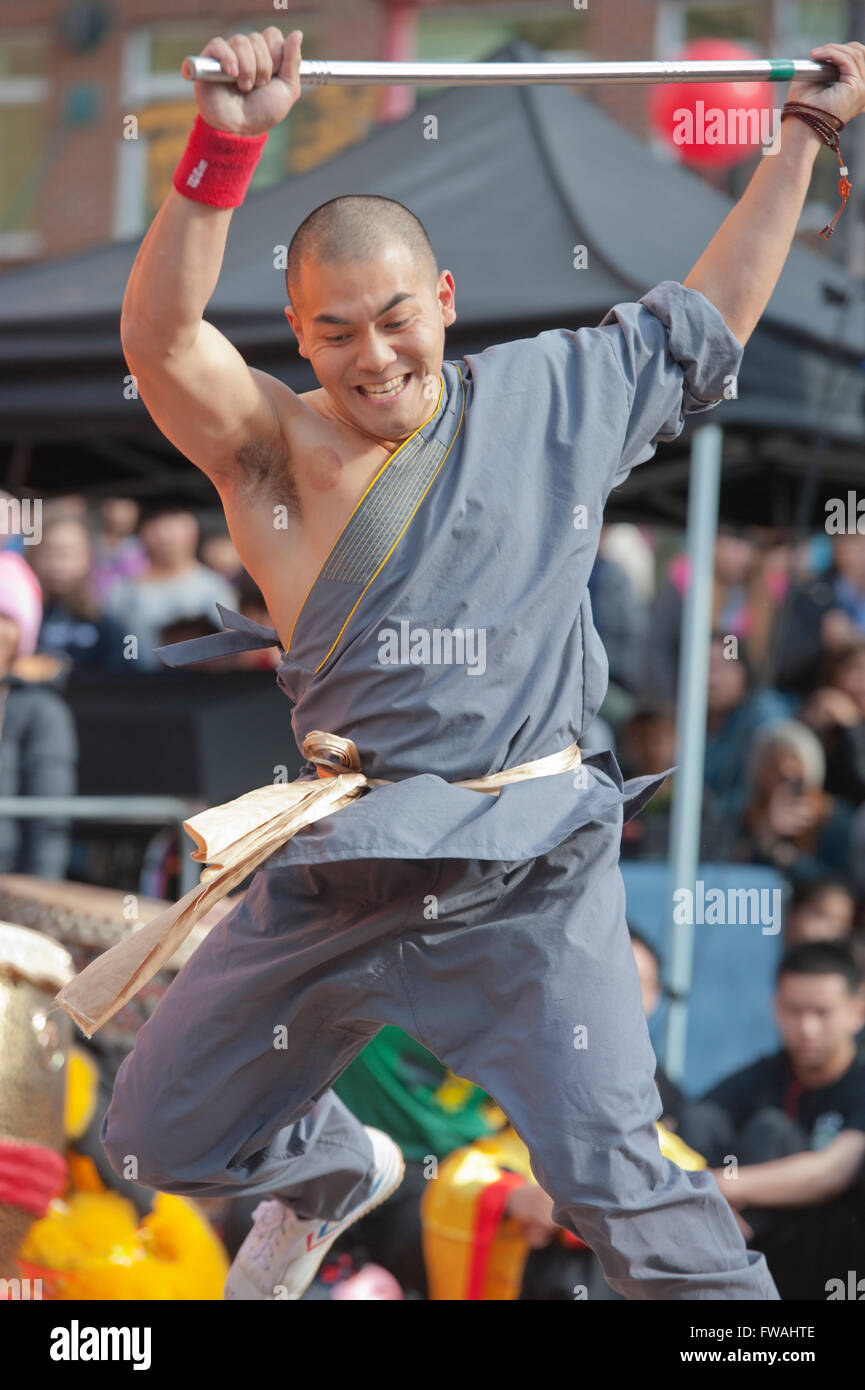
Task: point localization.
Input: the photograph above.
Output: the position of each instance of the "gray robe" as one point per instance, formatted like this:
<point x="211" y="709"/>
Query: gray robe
<point x="449" y="632"/>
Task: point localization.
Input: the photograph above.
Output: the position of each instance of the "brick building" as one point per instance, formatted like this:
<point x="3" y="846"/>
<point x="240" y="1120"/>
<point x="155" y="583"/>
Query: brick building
<point x="94" y="113"/>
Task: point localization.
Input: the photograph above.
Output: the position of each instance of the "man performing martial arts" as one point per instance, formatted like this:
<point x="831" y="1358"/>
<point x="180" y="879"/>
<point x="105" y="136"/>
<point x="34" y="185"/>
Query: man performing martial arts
<point x="423" y="532"/>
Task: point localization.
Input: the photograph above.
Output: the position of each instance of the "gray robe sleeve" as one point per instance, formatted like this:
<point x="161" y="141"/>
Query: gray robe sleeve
<point x="675" y="356"/>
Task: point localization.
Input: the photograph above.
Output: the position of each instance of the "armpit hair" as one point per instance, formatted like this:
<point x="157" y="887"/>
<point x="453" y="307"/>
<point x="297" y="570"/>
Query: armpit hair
<point x="267" y="472"/>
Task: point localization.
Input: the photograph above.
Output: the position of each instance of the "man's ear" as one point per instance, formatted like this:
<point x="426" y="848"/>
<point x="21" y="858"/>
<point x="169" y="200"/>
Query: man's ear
<point x="446" y="296"/>
<point x="295" y="327"/>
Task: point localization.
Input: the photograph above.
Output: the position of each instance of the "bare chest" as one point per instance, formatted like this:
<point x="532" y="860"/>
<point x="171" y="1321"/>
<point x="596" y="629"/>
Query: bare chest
<point x="285" y="515"/>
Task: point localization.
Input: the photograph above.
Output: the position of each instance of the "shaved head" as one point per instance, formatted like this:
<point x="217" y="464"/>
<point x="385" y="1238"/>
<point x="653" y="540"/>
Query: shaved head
<point x="356" y="227"/>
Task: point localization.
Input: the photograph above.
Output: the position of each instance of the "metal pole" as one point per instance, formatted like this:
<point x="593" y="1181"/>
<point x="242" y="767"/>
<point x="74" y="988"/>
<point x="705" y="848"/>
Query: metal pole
<point x="131" y="809"/>
<point x="703" y="493"/>
<point x="854" y="232"/>
<point x="363" y="74"/>
<point x="143" y="809"/>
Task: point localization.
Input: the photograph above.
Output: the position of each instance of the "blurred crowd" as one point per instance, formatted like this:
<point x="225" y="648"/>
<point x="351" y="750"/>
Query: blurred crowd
<point x="784" y="788"/>
<point x="784" y="777"/>
<point x="100" y="588"/>
<point x="117" y="579"/>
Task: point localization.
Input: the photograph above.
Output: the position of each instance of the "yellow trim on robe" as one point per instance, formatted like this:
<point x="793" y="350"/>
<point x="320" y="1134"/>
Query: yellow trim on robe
<point x="387" y="463"/>
<point x="404" y="529"/>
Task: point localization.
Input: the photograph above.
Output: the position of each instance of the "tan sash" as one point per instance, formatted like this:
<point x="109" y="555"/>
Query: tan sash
<point x="232" y="840"/>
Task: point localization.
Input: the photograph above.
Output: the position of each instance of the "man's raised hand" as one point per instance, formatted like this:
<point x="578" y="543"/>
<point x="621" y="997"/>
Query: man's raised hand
<point x="266" y="68"/>
<point x="844" y="98"/>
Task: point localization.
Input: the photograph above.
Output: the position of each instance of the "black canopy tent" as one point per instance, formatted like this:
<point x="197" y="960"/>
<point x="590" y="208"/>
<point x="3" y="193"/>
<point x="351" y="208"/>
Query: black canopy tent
<point x="514" y="179"/>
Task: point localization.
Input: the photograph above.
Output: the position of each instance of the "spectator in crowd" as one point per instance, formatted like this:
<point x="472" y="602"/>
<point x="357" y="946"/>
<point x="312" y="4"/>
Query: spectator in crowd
<point x="38" y="744"/>
<point x="836" y="713"/>
<point x="175" y="584"/>
<point x="648" y="745"/>
<point x="117" y="552"/>
<point x="251" y="605"/>
<point x="734" y="713"/>
<point x="632" y="548"/>
<point x="820" y="909"/>
<point x="620" y="618"/>
<point x="795" y="1123"/>
<point x="216" y="550"/>
<point x="748" y="583"/>
<point x="648" y="964"/>
<point x="250" y="602"/>
<point x="186" y="630"/>
<point x="22" y="597"/>
<point x="790" y="821"/>
<point x="72" y="621"/>
<point x="822" y="615"/>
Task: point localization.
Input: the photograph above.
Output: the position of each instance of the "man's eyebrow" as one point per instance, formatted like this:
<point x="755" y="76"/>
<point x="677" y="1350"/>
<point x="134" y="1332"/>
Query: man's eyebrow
<point x="397" y="299"/>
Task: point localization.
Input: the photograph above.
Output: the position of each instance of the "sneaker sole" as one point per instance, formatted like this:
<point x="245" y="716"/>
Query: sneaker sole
<point x="249" y="1290"/>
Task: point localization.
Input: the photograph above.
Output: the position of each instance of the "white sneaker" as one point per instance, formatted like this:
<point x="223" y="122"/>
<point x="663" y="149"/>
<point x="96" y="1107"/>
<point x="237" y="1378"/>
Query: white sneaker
<point x="280" y="1256"/>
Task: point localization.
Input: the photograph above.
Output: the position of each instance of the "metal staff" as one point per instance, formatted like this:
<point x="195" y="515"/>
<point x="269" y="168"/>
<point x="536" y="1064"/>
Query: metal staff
<point x="351" y="74"/>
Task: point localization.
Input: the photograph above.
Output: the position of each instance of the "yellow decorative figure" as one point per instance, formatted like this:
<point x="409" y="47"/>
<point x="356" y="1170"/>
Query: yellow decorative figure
<point x="472" y="1251"/>
<point x="92" y="1245"/>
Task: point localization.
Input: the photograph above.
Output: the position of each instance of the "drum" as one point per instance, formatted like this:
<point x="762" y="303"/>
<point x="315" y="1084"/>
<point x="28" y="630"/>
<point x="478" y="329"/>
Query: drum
<point x="34" y="1037"/>
<point x="87" y="920"/>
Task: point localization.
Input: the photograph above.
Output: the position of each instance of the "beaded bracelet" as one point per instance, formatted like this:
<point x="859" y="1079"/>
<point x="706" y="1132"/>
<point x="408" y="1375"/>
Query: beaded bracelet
<point x="828" y="126"/>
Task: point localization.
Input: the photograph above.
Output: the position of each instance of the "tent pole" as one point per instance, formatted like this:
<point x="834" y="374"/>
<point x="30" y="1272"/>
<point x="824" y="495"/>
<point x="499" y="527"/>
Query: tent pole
<point x="703" y="493"/>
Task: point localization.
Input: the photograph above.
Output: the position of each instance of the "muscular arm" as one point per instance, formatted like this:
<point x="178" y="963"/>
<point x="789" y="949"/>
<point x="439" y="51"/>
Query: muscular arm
<point x="740" y="267"/>
<point x="195" y="384"/>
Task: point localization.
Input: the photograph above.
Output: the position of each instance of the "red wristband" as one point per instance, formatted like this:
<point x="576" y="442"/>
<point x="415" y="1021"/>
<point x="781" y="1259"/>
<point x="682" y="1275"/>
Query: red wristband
<point x="217" y="166"/>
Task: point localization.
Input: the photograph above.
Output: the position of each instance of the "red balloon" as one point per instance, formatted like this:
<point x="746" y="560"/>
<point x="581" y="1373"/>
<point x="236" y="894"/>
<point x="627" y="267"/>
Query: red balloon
<point x="713" y="124"/>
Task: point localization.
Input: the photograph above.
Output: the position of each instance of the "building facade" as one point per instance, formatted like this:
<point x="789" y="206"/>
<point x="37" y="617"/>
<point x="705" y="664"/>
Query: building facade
<point x="94" y="114"/>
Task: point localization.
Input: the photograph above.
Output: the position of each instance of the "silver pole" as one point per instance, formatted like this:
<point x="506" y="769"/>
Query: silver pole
<point x="350" y="74"/>
<point x="703" y="492"/>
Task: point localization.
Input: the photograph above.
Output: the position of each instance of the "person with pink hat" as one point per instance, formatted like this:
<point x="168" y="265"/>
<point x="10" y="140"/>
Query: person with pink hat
<point x="38" y="743"/>
<point x="20" y="600"/>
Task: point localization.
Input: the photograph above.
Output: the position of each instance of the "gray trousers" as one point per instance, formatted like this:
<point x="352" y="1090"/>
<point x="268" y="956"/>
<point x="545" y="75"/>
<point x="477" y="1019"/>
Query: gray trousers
<point x="518" y="976"/>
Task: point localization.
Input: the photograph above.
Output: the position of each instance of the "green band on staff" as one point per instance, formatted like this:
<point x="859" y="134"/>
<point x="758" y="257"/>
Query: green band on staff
<point x="780" y="71"/>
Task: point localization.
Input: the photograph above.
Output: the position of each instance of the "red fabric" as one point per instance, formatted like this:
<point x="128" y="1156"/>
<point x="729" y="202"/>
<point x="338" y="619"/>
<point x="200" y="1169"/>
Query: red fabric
<point x="792" y="1094"/>
<point x="217" y="166"/>
<point x="488" y="1213"/>
<point x="30" y="1176"/>
<point x="572" y="1242"/>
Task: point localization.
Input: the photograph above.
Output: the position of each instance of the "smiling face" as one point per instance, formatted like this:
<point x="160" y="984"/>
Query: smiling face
<point x="373" y="324"/>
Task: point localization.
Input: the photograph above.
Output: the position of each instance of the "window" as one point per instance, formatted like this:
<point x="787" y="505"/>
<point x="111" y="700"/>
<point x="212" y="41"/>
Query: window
<point x="818" y="21"/>
<point x="23" y="135"/>
<point x="740" y="23"/>
<point x="324" y="121"/>
<point x="23" y="55"/>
